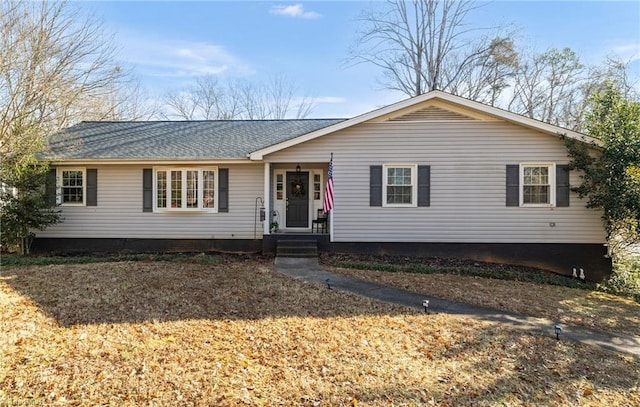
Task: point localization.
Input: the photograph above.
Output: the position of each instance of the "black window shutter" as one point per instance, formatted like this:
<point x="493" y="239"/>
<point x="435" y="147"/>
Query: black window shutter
<point x="223" y="190"/>
<point x="51" y="189"/>
<point x="92" y="187"/>
<point x="147" y="190"/>
<point x="424" y="185"/>
<point x="562" y="185"/>
<point x="513" y="185"/>
<point x="375" y="185"/>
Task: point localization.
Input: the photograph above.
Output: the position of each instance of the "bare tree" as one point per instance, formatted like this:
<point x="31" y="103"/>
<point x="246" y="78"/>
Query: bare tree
<point x="421" y="45"/>
<point x="206" y="99"/>
<point x="613" y="73"/>
<point x="281" y="100"/>
<point x="209" y="99"/>
<point x="547" y="87"/>
<point x="492" y="73"/>
<point x="253" y="100"/>
<point x="56" y="67"/>
<point x="125" y="99"/>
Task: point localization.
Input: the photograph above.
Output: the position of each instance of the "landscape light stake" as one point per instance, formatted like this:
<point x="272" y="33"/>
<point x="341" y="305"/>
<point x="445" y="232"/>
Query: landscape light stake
<point x="558" y="329"/>
<point x="328" y="283"/>
<point x="425" y="304"/>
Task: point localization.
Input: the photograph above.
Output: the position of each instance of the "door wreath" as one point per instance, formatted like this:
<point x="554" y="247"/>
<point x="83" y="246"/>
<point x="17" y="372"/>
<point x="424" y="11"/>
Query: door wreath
<point x="297" y="189"/>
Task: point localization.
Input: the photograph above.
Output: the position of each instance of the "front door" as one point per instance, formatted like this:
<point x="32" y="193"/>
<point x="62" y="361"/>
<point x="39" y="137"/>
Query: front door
<point x="297" y="200"/>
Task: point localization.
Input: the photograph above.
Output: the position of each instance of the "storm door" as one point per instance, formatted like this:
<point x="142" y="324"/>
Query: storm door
<point x="297" y="199"/>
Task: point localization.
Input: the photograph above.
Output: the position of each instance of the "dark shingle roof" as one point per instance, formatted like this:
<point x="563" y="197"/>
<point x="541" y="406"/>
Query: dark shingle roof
<point x="224" y="139"/>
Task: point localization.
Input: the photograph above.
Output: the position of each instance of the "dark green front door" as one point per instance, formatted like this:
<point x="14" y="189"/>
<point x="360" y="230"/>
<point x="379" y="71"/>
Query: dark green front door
<point x="297" y="200"/>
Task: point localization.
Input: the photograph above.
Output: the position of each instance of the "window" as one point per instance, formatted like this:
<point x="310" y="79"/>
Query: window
<point x="162" y="189"/>
<point x="185" y="189"/>
<point x="537" y="182"/>
<point x="208" y="189"/>
<point x="316" y="186"/>
<point x="279" y="187"/>
<point x="400" y="185"/>
<point x="72" y="186"/>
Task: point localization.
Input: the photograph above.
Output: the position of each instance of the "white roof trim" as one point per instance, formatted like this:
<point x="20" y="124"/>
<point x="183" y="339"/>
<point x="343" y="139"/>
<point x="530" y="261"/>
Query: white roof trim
<point x="493" y="111"/>
<point x="167" y="161"/>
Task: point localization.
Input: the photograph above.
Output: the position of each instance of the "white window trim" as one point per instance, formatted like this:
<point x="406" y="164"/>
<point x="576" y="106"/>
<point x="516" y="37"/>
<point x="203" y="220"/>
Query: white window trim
<point x="184" y="189"/>
<point x="59" y="172"/>
<point x="414" y="185"/>
<point x="552" y="184"/>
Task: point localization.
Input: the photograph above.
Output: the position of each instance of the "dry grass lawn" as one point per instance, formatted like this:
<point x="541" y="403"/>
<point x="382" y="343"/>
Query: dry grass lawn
<point x="592" y="309"/>
<point x="237" y="333"/>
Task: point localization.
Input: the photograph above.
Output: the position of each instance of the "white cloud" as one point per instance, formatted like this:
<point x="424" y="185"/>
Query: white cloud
<point x="182" y="59"/>
<point x="628" y="52"/>
<point x="329" y="99"/>
<point x="295" y="10"/>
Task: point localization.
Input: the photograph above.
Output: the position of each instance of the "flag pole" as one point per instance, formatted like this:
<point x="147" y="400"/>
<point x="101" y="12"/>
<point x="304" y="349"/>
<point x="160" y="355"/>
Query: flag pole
<point x="330" y="213"/>
<point x="327" y="203"/>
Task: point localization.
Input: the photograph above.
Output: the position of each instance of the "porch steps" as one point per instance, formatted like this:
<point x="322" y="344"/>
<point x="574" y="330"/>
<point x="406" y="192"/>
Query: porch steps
<point x="297" y="248"/>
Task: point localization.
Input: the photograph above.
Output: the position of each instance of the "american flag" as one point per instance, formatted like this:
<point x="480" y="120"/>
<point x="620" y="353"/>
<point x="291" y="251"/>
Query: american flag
<point x="327" y="205"/>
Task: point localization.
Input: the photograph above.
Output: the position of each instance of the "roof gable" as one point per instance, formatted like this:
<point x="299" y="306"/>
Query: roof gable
<point x="433" y="110"/>
<point x="430" y="114"/>
<point x="455" y="108"/>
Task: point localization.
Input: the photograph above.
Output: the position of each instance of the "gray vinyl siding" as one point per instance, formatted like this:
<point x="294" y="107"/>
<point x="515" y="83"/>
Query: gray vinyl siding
<point x="468" y="161"/>
<point x="119" y="212"/>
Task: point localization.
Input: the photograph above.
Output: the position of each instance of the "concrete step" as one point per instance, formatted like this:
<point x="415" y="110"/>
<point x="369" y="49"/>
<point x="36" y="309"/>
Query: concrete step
<point x="297" y="248"/>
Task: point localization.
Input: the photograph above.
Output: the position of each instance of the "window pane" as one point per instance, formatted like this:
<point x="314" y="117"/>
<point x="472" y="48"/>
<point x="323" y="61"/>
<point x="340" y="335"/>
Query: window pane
<point x="72" y="187"/>
<point x="192" y="189"/>
<point x="72" y="195"/>
<point x="399" y="195"/>
<point x="161" y="189"/>
<point x="543" y="178"/>
<point x="536" y="194"/>
<point x="391" y="172"/>
<point x="399" y="176"/>
<point x="279" y="187"/>
<point x="176" y="189"/>
<point x="208" y="189"/>
<point x="316" y="186"/>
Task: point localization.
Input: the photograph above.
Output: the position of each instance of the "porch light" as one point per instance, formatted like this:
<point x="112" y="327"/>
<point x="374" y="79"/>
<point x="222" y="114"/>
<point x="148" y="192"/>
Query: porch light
<point x="298" y="168"/>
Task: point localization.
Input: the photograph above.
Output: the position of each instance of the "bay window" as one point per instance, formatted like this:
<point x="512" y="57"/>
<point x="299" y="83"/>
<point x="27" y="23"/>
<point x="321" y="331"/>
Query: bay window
<point x="186" y="189"/>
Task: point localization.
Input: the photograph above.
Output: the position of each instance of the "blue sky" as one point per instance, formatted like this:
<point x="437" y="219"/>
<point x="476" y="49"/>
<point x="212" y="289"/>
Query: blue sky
<point x="171" y="43"/>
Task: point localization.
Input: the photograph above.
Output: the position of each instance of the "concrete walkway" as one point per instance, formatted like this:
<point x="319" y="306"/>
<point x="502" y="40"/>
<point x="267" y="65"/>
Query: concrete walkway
<point x="308" y="270"/>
